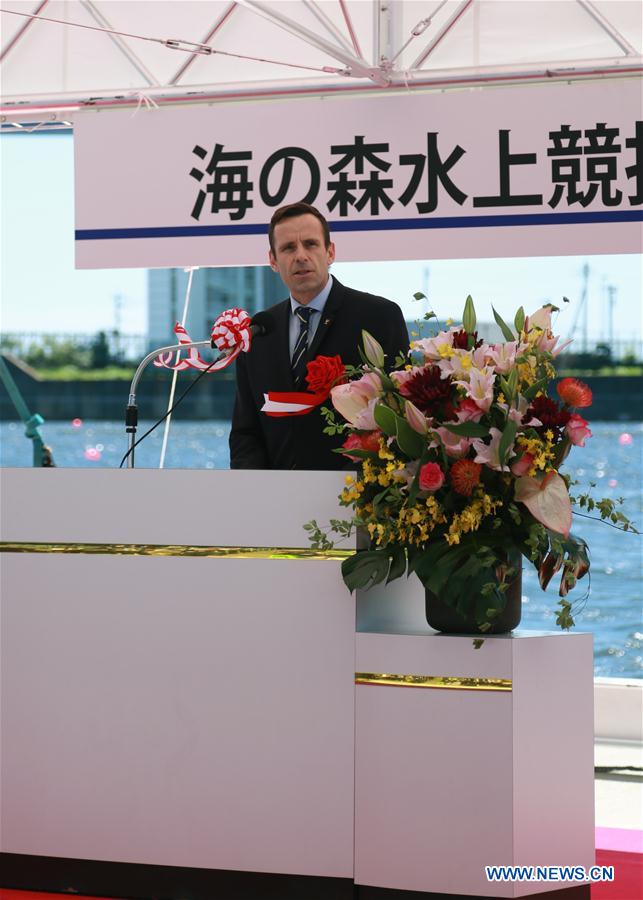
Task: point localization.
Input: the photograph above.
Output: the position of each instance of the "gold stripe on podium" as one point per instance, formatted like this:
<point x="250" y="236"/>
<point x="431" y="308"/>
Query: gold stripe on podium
<point x="173" y="550"/>
<point x="442" y="682"/>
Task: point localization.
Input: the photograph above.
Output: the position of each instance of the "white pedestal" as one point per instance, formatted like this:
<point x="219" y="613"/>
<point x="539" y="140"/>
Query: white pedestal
<point x="449" y="781"/>
<point x="168" y="709"/>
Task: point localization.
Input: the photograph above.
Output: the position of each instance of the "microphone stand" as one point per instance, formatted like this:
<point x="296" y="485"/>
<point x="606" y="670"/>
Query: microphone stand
<point x="131" y="412"/>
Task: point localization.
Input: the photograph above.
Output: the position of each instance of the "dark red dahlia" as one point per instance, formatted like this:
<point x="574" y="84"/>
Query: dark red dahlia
<point x="431" y="394"/>
<point x="550" y="414"/>
<point x="461" y="340"/>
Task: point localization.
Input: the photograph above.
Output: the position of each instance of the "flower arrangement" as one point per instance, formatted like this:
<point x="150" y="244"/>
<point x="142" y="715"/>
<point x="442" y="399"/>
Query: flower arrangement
<point x="458" y="451"/>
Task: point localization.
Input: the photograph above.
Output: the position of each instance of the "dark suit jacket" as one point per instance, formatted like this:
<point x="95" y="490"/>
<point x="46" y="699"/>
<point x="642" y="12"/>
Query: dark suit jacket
<point x="258" y="441"/>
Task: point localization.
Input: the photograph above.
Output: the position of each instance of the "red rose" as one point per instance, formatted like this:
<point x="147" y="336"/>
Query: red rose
<point x="324" y="372"/>
<point x="431" y="477"/>
<point x="370" y="440"/>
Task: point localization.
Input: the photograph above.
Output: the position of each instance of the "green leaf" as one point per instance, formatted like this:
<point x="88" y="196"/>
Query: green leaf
<point x="386" y="419"/>
<point x="519" y="320"/>
<point x="467" y="429"/>
<point x="379" y="498"/>
<point x="435" y="571"/>
<point x="366" y="568"/>
<point x="537" y="386"/>
<point x="506" y="330"/>
<point x="507" y="439"/>
<point x="409" y="441"/>
<point x="387" y="383"/>
<point x="469" y="316"/>
<point x="418" y="295"/>
<point x="512" y="381"/>
<point x="398" y="563"/>
<point x="361" y="454"/>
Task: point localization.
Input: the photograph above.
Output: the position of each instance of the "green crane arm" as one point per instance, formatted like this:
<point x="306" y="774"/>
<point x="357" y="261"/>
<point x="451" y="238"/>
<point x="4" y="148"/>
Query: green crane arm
<point x="42" y="455"/>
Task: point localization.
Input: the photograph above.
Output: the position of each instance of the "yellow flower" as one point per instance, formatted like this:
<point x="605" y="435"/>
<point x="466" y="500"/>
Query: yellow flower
<point x="384" y="452"/>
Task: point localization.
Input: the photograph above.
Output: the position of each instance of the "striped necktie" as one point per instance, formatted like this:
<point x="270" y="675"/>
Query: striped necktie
<point x="298" y="364"/>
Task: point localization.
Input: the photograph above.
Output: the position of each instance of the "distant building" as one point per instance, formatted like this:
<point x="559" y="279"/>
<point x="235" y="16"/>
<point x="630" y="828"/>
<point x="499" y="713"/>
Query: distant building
<point x="250" y="287"/>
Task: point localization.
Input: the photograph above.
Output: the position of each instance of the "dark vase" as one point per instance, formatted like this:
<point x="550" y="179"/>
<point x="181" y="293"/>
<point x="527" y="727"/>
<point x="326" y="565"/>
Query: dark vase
<point x="445" y="618"/>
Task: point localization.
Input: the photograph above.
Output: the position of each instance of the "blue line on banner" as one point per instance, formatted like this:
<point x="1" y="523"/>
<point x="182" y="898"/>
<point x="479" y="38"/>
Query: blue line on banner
<point x="566" y="218"/>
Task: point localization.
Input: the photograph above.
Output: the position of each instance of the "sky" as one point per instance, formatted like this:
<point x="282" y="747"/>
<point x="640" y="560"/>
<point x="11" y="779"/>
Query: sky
<point x="40" y="291"/>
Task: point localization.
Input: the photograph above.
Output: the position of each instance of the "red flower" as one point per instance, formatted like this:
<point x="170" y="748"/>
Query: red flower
<point x="574" y="392"/>
<point x="461" y="340"/>
<point x="577" y="430"/>
<point x="324" y="372"/>
<point x="465" y="475"/>
<point x="369" y="440"/>
<point x="550" y="414"/>
<point x="523" y="464"/>
<point x="431" y="393"/>
<point x="431" y="477"/>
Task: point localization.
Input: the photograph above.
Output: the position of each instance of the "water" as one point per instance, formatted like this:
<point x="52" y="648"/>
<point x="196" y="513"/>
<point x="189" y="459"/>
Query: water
<point x="614" y="610"/>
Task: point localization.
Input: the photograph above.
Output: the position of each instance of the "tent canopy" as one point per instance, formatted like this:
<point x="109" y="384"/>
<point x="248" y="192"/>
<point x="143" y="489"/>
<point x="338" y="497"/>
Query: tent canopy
<point x="122" y="53"/>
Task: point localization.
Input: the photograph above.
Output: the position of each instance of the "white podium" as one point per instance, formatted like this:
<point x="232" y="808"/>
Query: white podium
<point x="178" y="696"/>
<point x="467" y="758"/>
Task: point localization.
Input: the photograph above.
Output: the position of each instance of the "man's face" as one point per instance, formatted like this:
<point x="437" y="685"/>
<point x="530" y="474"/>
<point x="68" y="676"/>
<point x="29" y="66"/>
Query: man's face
<point x="300" y="256"/>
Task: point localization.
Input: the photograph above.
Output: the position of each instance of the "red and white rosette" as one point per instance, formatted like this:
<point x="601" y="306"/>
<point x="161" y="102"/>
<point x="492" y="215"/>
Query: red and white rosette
<point x="291" y="403"/>
<point x="322" y="373"/>
<point x="230" y="332"/>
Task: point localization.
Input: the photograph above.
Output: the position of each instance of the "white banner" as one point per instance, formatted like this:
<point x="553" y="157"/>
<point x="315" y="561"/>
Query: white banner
<point x="520" y="171"/>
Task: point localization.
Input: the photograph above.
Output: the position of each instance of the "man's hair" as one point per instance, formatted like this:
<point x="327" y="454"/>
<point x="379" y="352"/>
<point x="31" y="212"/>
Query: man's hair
<point x="289" y="212"/>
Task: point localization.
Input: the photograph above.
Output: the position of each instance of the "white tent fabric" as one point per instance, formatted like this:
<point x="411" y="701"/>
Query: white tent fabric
<point x="125" y="52"/>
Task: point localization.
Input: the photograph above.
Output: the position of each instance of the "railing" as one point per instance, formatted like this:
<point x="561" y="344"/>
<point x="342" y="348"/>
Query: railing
<point x="111" y="347"/>
<point x="86" y="350"/>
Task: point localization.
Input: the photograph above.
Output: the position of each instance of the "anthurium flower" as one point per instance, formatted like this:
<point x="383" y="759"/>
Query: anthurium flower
<point x="356" y="400"/>
<point x="577" y="430"/>
<point x="540" y="319"/>
<point x="574" y="392"/>
<point x="547" y="499"/>
<point x="373" y="350"/>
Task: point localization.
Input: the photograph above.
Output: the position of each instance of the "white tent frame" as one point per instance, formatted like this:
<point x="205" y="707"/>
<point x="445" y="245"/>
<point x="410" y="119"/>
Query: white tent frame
<point x="354" y="72"/>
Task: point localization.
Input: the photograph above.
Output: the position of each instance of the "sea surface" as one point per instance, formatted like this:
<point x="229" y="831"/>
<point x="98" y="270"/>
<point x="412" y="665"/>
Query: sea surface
<point x="612" y="459"/>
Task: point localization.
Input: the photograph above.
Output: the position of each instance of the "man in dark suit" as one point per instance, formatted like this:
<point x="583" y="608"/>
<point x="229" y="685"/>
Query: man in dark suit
<point x="320" y="318"/>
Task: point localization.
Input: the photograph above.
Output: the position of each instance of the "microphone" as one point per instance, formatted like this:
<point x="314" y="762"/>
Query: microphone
<point x="262" y="323"/>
